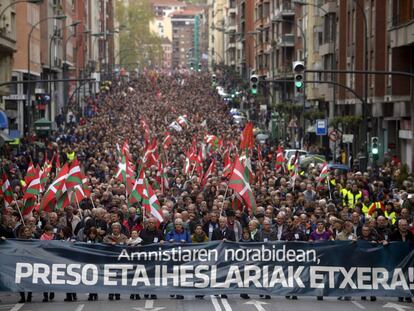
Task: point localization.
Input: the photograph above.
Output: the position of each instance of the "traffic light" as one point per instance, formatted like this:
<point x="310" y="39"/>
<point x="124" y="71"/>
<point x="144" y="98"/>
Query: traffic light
<point x="375" y="147"/>
<point x="254" y="84"/>
<point x="298" y="71"/>
<point x="38" y="99"/>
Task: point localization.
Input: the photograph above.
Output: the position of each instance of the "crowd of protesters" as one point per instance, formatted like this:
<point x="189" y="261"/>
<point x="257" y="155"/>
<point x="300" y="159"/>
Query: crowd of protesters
<point x="353" y="206"/>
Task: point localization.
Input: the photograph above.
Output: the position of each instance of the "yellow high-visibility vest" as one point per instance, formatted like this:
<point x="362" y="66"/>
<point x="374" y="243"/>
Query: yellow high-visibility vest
<point x="353" y="198"/>
<point x="70" y="156"/>
<point x="365" y="209"/>
<point x="390" y="216"/>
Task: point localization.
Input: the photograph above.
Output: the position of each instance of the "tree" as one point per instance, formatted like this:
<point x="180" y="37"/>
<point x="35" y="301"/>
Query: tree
<point x="137" y="45"/>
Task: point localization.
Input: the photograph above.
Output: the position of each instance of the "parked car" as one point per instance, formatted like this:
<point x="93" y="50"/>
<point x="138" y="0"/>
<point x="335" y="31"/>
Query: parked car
<point x="288" y="153"/>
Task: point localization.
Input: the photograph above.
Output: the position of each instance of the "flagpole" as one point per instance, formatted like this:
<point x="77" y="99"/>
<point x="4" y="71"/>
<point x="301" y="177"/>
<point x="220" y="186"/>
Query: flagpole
<point x="166" y="156"/>
<point x="192" y="172"/>
<point x="329" y="188"/>
<point x="93" y="204"/>
<point x="20" y="212"/>
<point x="224" y="198"/>
<point x="77" y="202"/>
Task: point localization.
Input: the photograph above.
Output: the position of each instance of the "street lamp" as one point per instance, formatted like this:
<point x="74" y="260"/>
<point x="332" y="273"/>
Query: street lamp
<point x="58" y="17"/>
<point x="19" y="1"/>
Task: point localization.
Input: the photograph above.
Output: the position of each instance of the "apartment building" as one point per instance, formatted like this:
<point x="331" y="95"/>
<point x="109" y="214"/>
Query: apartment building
<point x="7" y="49"/>
<point x="183" y="37"/>
<point x="230" y="35"/>
<point x="284" y="43"/>
<point x="246" y="39"/>
<point x="397" y="113"/>
<point x="216" y="37"/>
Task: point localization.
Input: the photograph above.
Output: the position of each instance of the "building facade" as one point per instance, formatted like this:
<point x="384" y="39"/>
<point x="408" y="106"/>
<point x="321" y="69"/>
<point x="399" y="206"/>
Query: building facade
<point x="8" y="47"/>
<point x="59" y="39"/>
<point x="396" y="118"/>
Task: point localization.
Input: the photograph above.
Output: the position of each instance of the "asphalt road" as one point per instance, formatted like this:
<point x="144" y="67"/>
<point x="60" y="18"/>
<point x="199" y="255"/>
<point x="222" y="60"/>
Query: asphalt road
<point x="209" y="303"/>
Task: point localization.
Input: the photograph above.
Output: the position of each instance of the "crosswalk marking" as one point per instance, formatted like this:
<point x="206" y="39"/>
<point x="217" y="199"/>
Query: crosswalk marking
<point x="17" y="307"/>
<point x="80" y="307"/>
<point x="226" y="304"/>
<point x="215" y="303"/>
<point x="358" y="305"/>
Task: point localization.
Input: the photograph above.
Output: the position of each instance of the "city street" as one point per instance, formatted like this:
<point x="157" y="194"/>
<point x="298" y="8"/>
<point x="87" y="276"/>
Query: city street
<point x="209" y="303"/>
<point x="206" y="146"/>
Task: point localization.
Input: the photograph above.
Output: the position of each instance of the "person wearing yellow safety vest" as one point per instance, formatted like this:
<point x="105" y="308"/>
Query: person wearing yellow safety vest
<point x="389" y="213"/>
<point x="70" y="155"/>
<point x="344" y="192"/>
<point x="366" y="205"/>
<point x="353" y="196"/>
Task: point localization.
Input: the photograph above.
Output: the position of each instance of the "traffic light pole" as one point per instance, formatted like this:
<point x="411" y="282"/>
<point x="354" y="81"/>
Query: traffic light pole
<point x="318" y="81"/>
<point x="379" y="72"/>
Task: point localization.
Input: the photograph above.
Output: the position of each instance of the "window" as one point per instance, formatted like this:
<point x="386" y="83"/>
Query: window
<point x="32" y="14"/>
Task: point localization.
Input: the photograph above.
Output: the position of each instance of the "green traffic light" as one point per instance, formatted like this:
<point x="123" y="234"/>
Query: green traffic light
<point x="254" y="91"/>
<point x="299" y="84"/>
<point x="374" y="150"/>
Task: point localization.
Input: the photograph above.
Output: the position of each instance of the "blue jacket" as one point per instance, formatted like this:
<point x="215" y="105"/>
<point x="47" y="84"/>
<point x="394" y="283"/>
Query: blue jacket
<point x="178" y="237"/>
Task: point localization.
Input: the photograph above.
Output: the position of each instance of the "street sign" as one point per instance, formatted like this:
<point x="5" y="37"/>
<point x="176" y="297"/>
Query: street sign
<point x="15" y="97"/>
<point x="321" y="127"/>
<point x="347" y="138"/>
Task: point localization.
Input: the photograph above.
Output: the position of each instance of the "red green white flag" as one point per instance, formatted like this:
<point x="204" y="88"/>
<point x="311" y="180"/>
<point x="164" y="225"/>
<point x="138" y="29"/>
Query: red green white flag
<point x="74" y="177"/>
<point x="6" y="190"/>
<point x="150" y="203"/>
<point x="239" y="182"/>
<point x="30" y="174"/>
<point x="280" y="160"/>
<point x="324" y="172"/>
<point x="137" y="192"/>
<point x="55" y="190"/>
<point x="34" y="187"/>
<point x="209" y="172"/>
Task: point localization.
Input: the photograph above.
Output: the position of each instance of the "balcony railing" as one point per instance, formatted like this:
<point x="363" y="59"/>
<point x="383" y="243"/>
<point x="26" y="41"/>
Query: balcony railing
<point x="285" y="9"/>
